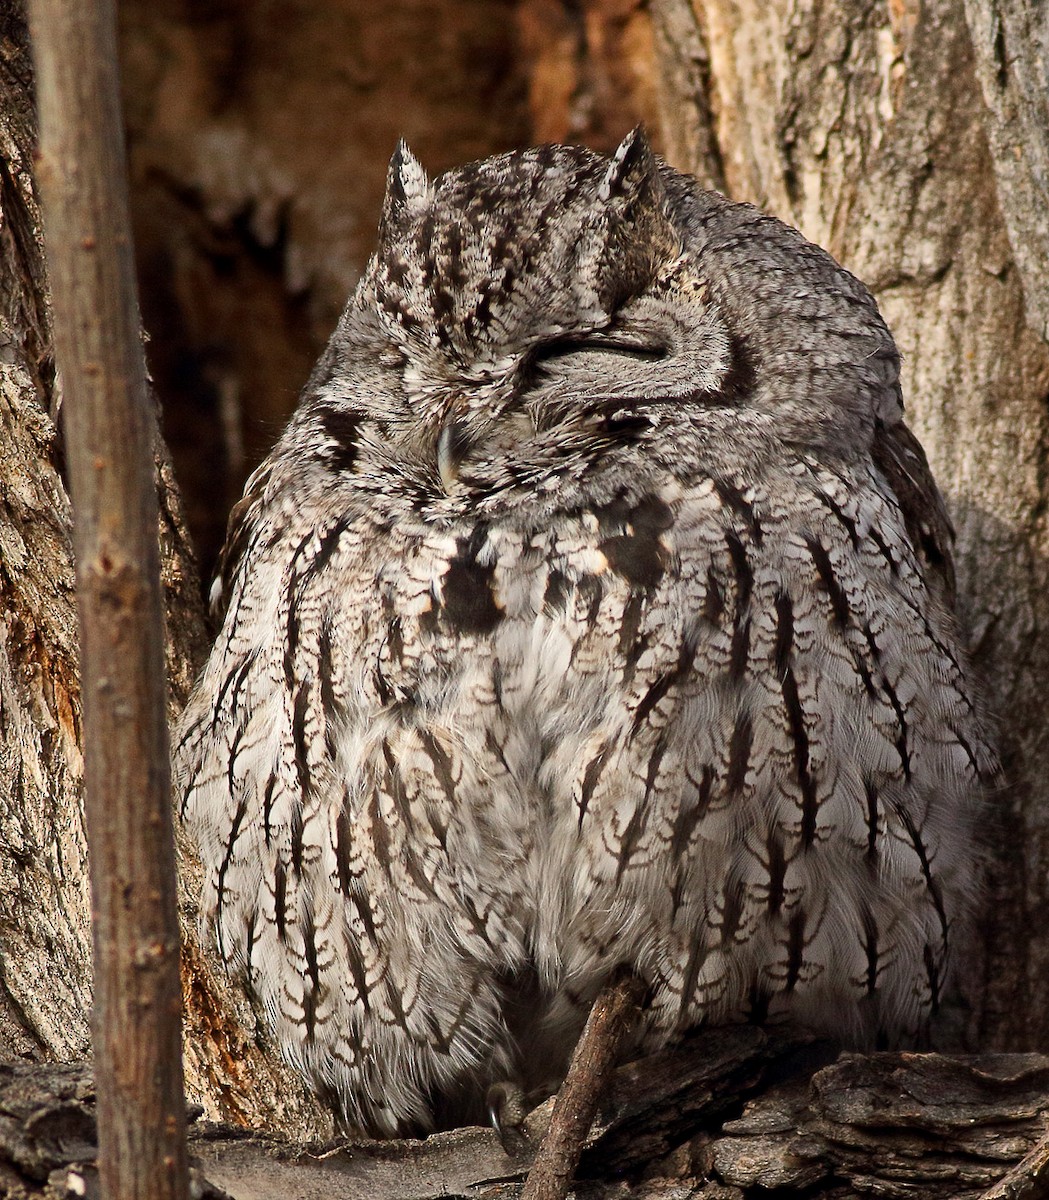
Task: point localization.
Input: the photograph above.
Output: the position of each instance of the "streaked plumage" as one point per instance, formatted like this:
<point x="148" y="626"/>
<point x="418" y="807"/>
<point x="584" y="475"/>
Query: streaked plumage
<point x="594" y="608"/>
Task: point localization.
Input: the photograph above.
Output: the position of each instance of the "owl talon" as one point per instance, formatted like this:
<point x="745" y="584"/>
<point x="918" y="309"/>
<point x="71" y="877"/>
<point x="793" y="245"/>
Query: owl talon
<point x="507" y="1109"/>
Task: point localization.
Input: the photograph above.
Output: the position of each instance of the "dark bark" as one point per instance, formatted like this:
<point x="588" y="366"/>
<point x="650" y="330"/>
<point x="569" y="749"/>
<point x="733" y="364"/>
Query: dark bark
<point x="732" y="1115"/>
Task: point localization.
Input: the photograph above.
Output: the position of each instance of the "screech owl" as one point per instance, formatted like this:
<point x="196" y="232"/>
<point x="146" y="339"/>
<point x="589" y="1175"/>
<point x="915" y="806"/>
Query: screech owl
<point x="593" y="609"/>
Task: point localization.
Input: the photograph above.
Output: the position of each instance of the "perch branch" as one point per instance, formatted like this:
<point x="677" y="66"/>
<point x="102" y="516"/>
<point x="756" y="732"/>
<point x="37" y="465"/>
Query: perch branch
<point x="1027" y="1180"/>
<point x="610" y="1023"/>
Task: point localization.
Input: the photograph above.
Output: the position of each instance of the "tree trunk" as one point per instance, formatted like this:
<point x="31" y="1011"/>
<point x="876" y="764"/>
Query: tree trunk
<point x="45" y="936"/>
<point x="867" y="127"/>
<point x="109" y="430"/>
<point x="911" y="140"/>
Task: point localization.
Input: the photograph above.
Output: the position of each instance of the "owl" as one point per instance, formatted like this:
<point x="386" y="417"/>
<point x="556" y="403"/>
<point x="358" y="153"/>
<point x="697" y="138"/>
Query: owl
<point x="594" y="611"/>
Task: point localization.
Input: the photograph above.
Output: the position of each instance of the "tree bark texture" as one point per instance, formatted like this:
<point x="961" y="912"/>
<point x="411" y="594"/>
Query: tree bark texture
<point x="907" y="138"/>
<point x="45" y="973"/>
<point x="45" y="936"/>
<point x="136" y="1021"/>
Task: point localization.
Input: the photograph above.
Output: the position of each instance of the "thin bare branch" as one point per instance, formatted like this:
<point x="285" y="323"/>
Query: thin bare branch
<point x="611" y="1021"/>
<point x="108" y="435"/>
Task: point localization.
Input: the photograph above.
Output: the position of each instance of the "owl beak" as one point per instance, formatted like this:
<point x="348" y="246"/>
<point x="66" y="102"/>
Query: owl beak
<point x="452" y="441"/>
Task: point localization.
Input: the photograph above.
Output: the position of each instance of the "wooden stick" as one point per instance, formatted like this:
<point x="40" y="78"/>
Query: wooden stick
<point x="1027" y="1180"/>
<point x="610" y="1023"/>
<point x="108" y="427"/>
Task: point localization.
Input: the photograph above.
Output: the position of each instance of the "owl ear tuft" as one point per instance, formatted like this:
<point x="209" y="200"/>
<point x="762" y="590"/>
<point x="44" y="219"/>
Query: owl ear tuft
<point x="632" y="174"/>
<point x="634" y="235"/>
<point x="408" y="190"/>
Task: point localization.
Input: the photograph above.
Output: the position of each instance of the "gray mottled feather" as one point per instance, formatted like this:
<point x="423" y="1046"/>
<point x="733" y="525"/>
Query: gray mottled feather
<point x="594" y="608"/>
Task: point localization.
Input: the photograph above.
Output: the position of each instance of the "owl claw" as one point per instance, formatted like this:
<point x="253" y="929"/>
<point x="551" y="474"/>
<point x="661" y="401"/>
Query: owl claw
<point x="507" y="1109"/>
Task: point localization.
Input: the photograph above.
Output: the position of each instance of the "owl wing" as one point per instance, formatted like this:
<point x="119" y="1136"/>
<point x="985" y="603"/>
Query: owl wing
<point x="243" y="518"/>
<point x="899" y="456"/>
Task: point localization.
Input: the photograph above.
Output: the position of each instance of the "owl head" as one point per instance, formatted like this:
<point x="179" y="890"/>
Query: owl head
<point x="528" y="291"/>
<point x="506" y="254"/>
<point x="531" y="278"/>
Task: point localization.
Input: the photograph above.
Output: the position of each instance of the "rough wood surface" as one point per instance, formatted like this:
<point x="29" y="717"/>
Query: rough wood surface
<point x="45" y="976"/>
<point x="1010" y="41"/>
<point x="734" y="1115"/>
<point x="108" y="426"/>
<point x="1029" y="1178"/>
<point x="45" y="943"/>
